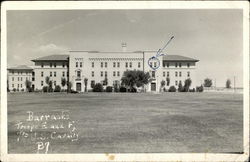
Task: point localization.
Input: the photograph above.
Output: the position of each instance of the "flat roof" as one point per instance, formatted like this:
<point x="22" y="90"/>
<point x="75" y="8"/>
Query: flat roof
<point x="178" y="58"/>
<point x="60" y="57"/>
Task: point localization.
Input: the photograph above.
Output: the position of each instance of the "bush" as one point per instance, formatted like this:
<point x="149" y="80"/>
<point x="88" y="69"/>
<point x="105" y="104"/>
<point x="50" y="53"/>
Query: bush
<point x="57" y="89"/>
<point x="133" y="90"/>
<point x="192" y="90"/>
<point x="72" y="91"/>
<point x="22" y="90"/>
<point x="98" y="87"/>
<point x="14" y="89"/>
<point x="109" y="89"/>
<point x="199" y="89"/>
<point x="123" y="89"/>
<point x="164" y="89"/>
<point x="172" y="89"/>
<point x="50" y="89"/>
<point x="45" y="89"/>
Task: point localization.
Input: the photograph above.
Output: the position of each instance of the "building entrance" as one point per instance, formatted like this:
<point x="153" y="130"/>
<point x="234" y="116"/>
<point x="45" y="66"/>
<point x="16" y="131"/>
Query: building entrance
<point x="153" y="86"/>
<point x="78" y="87"/>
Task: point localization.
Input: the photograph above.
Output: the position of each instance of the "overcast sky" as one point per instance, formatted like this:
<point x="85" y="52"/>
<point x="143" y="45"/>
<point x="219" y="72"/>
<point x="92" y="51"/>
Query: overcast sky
<point x="212" y="36"/>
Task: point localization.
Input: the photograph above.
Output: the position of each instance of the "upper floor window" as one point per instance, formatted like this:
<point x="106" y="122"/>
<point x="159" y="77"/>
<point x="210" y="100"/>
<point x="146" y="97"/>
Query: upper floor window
<point x="101" y="64"/>
<point x="176" y="64"/>
<point x="80" y="64"/>
<point x="54" y="64"/>
<point x="164" y="73"/>
<point x="50" y="64"/>
<point x="179" y="64"/>
<point x="153" y="74"/>
<point x="78" y="73"/>
<point x="12" y="78"/>
<point x="13" y="72"/>
<point x="118" y="64"/>
<point x="101" y="73"/>
<point x="50" y="74"/>
<point x="126" y="65"/>
<point x="154" y="64"/>
<point x="76" y="64"/>
<point x="188" y="74"/>
<point x="106" y="73"/>
<point x="55" y="83"/>
<point x="114" y="64"/>
<point x="17" y="78"/>
<point x="63" y="65"/>
<point x="167" y="64"/>
<point x="168" y="74"/>
<point x="176" y="82"/>
<point x="93" y="64"/>
<point x="54" y="73"/>
<point x="21" y="78"/>
<point x="41" y="83"/>
<point x="42" y="65"/>
<point x="180" y="74"/>
<point x="176" y="74"/>
<point x="139" y="64"/>
<point x="118" y="73"/>
<point x="93" y="74"/>
<point x="113" y="73"/>
<point x="106" y="64"/>
<point x="63" y="73"/>
<point x="42" y="74"/>
<point x="130" y="64"/>
<point x="188" y="65"/>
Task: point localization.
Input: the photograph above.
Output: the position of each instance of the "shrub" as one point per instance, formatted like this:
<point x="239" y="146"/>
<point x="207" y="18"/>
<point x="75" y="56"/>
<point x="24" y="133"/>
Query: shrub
<point x="199" y="89"/>
<point x="133" y="90"/>
<point x="98" y="87"/>
<point x="50" y="89"/>
<point x="14" y="89"/>
<point x="123" y="89"/>
<point x="109" y="89"/>
<point x="164" y="89"/>
<point x="72" y="91"/>
<point x="45" y="89"/>
<point x="22" y="90"/>
<point x="192" y="90"/>
<point x="57" y="89"/>
<point x="172" y="89"/>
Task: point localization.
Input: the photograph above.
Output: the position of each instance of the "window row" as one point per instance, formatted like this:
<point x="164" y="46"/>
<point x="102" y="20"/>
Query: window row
<point x="79" y="64"/>
<point x="51" y="74"/>
<point x="105" y="73"/>
<point x="55" y="64"/>
<point x="116" y="64"/>
<point x="176" y="64"/>
<point x="42" y="83"/>
<point x="18" y="85"/>
<point x="20" y="73"/>
<point x="19" y="78"/>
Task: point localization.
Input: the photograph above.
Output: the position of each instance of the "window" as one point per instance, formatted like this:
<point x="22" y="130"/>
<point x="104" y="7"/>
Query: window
<point x="154" y="64"/>
<point x="188" y="65"/>
<point x="76" y="64"/>
<point x="126" y="65"/>
<point x="176" y="74"/>
<point x="164" y="73"/>
<point x="55" y="83"/>
<point x="168" y="74"/>
<point x="21" y="78"/>
<point x="93" y="74"/>
<point x="42" y="64"/>
<point x="78" y="73"/>
<point x="167" y="64"/>
<point x="17" y="85"/>
<point x="106" y="73"/>
<point x="179" y="64"/>
<point x="176" y="64"/>
<point x="12" y="78"/>
<point x="106" y="64"/>
<point x="180" y="74"/>
<point x="101" y="64"/>
<point x="12" y="85"/>
<point x="54" y="64"/>
<point x="139" y="64"/>
<point x="63" y="65"/>
<point x="63" y="73"/>
<point x="93" y="64"/>
<point x="21" y="85"/>
<point x="13" y="72"/>
<point x="41" y="83"/>
<point x="54" y="73"/>
<point x="17" y="78"/>
<point x="80" y="64"/>
<point x="153" y="74"/>
<point x="50" y="64"/>
<point x="50" y="74"/>
<point x="188" y="74"/>
<point x="118" y="73"/>
<point x="118" y="64"/>
<point x="42" y="74"/>
<point x="176" y="82"/>
<point x="92" y="83"/>
<point x="130" y="64"/>
<point x="113" y="64"/>
<point x="101" y="73"/>
<point x="113" y="73"/>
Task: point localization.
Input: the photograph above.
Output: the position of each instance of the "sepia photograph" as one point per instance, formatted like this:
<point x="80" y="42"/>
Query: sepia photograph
<point x="125" y="81"/>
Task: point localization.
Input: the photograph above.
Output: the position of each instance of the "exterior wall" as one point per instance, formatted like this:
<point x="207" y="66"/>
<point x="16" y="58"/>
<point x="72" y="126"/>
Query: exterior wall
<point x="17" y="78"/>
<point x="47" y="70"/>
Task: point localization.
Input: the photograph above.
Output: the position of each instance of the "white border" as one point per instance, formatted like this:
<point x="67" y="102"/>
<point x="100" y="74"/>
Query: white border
<point x="31" y="5"/>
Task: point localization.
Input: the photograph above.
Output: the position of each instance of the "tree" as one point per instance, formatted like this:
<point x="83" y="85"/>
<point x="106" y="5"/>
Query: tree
<point x="163" y="83"/>
<point x="69" y="86"/>
<point x="132" y="78"/>
<point x="28" y="85"/>
<point x="228" y="83"/>
<point x="98" y="87"/>
<point x="105" y="81"/>
<point x="180" y="87"/>
<point x="187" y="84"/>
<point x="50" y="86"/>
<point x="63" y="82"/>
<point x="168" y="81"/>
<point x="85" y="84"/>
<point x="208" y="82"/>
<point x="47" y="80"/>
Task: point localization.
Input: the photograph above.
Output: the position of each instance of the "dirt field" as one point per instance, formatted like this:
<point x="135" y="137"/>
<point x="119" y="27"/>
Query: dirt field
<point x="125" y="123"/>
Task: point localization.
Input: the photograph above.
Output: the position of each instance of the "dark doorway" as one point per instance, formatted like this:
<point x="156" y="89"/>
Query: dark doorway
<point x="78" y="87"/>
<point x="153" y="86"/>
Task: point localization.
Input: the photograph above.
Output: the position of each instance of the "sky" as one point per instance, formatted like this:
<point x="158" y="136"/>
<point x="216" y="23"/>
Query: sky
<point x="212" y="36"/>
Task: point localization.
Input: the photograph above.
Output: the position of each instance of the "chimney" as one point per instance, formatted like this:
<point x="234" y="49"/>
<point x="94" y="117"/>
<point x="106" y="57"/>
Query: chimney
<point x="124" y="47"/>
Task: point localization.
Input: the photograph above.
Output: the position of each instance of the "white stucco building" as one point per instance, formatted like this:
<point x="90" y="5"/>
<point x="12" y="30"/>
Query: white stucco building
<point x="95" y="66"/>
